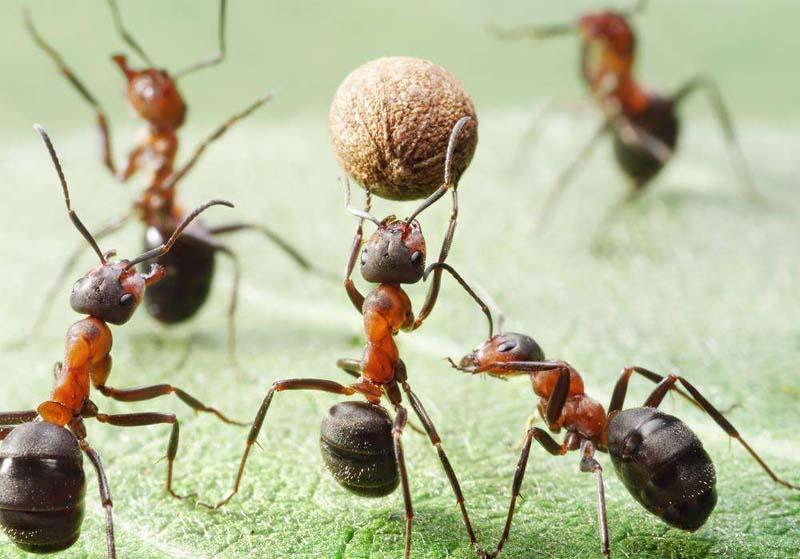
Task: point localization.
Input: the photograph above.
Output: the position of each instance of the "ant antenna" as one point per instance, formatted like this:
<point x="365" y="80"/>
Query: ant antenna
<point x="636" y="8"/>
<point x="72" y="215"/>
<point x="532" y="31"/>
<point x="467" y="288"/>
<point x="220" y="55"/>
<point x="129" y="40"/>
<point x="165" y="247"/>
<point x="355" y="211"/>
<point x="448" y="163"/>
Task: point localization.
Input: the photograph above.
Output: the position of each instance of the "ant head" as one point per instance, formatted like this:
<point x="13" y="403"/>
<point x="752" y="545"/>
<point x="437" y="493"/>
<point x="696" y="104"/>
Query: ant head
<point x="610" y="29"/>
<point x="154" y="95"/>
<point x="113" y="290"/>
<point x="502" y="348"/>
<point x="395" y="253"/>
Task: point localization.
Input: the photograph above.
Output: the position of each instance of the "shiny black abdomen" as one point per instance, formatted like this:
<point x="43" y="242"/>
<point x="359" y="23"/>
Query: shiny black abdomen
<point x="190" y="269"/>
<point x="664" y="466"/>
<point x="358" y="448"/>
<point x="42" y="487"/>
<point x="659" y="121"/>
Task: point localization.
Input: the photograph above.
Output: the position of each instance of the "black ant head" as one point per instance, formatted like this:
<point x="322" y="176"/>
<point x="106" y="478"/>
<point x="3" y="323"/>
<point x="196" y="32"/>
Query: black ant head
<point x="113" y="290"/>
<point x="395" y="253"/>
<point x="502" y="348"/>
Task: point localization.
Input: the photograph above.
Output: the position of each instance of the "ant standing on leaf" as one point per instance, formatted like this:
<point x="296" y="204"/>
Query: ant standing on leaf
<point x="644" y="125"/>
<point x="657" y="456"/>
<point x="154" y="96"/>
<point x="361" y="444"/>
<point x="42" y="483"/>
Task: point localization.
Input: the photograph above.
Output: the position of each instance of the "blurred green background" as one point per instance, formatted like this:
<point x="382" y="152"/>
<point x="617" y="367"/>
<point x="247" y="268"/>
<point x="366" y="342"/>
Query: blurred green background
<point x="693" y="278"/>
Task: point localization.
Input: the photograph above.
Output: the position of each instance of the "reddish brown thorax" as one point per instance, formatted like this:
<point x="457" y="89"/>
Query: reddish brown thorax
<point x="387" y="310"/>
<point x="608" y="57"/>
<point x="154" y="96"/>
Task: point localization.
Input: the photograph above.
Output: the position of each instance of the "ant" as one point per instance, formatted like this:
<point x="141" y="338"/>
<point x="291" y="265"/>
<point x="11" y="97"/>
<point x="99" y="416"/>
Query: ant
<point x="153" y="94"/>
<point x="361" y="444"/>
<point x="657" y="456"/>
<point x="42" y="483"/>
<point x="644" y="125"/>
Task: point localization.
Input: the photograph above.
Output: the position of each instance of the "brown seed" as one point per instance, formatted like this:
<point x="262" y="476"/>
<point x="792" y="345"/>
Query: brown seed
<point x="390" y="122"/>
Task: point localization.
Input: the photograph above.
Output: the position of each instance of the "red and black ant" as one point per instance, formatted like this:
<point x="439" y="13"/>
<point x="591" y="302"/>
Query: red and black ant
<point x="361" y="444"/>
<point x="42" y="483"/>
<point x="656" y="456"/>
<point x="154" y="96"/>
<point x="643" y="124"/>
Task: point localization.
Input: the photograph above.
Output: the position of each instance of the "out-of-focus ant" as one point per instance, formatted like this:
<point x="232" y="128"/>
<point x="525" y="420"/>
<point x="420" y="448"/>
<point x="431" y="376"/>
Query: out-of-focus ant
<point x="361" y="444"/>
<point x="656" y="456"/>
<point x="643" y="124"/>
<point x="154" y="96"/>
<point x="42" y="483"/>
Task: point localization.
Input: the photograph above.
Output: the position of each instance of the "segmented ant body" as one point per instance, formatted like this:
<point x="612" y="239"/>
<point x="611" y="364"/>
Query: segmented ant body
<point x="42" y="483"/>
<point x="154" y="96"/>
<point x="657" y="456"/>
<point x="644" y="125"/>
<point x="361" y="444"/>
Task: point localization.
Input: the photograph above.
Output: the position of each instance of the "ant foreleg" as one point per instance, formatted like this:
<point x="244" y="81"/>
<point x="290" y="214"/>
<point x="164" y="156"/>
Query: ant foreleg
<point x="353" y="293"/>
<point x="145" y="419"/>
<point x="654" y="400"/>
<point x="551" y="446"/>
<point x="726" y="123"/>
<point x="105" y="495"/>
<point x="156" y="390"/>
<point x="278" y="386"/>
<point x="436" y="441"/>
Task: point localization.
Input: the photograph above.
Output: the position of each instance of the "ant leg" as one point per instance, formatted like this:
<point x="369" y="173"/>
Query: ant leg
<point x="102" y="122"/>
<point x="150" y="392"/>
<point x="590" y="464"/>
<point x="145" y="419"/>
<point x="654" y="400"/>
<point x="436" y="441"/>
<point x="69" y="264"/>
<point x="198" y="151"/>
<point x="232" y="300"/>
<point x="220" y="56"/>
<point x="278" y="386"/>
<point x="565" y="176"/>
<point x="353" y="293"/>
<point x="10" y="420"/>
<point x="433" y="290"/>
<point x="551" y="446"/>
<point x="279" y="241"/>
<point x="726" y="123"/>
<point x="621" y="388"/>
<point x="105" y="495"/>
<point x="400" y="420"/>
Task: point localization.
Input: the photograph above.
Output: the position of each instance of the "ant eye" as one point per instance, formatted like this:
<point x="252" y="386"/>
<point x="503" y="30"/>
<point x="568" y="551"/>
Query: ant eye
<point x="363" y="257"/>
<point x="506" y="346"/>
<point x="126" y="300"/>
<point x="416" y="258"/>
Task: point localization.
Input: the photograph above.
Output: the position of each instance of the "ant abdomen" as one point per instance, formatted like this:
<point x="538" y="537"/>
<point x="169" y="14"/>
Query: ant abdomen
<point x="42" y="487"/>
<point x="190" y="270"/>
<point x="664" y="466"/>
<point x="358" y="448"/>
<point x="658" y="121"/>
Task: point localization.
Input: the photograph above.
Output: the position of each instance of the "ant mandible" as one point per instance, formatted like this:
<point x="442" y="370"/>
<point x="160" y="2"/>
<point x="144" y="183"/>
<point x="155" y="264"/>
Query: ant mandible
<point x="657" y="456"/>
<point x="154" y="96"/>
<point x="42" y="483"/>
<point x="361" y="444"/>
<point x="643" y="124"/>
